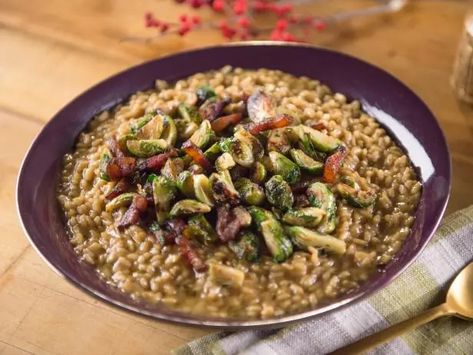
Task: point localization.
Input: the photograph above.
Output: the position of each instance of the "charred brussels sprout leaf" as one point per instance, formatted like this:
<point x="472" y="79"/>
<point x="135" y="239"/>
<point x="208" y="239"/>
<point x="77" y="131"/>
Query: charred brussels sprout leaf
<point x="247" y="247"/>
<point x="204" y="93"/>
<point x="278" y="193"/>
<point x="203" y="135"/>
<point x="322" y="197"/>
<point x="189" y="114"/>
<point x="185" y="183"/>
<point x="106" y="156"/>
<point x="164" y="191"/>
<point x="186" y="207"/>
<point x="138" y="124"/>
<point x="259" y="173"/>
<point x="120" y="201"/>
<point x="223" y="188"/>
<point x="224" y="162"/>
<point x="146" y="148"/>
<point x="306" y="217"/>
<point x="285" y="167"/>
<point x="306" y="162"/>
<point x="201" y="229"/>
<point x="250" y="193"/>
<point x="169" y="133"/>
<point x="356" y="197"/>
<point x="203" y="189"/>
<point x="172" y="168"/>
<point x="213" y="152"/>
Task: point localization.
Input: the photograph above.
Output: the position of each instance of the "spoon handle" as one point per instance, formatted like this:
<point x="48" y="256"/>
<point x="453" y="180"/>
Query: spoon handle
<point x="383" y="336"/>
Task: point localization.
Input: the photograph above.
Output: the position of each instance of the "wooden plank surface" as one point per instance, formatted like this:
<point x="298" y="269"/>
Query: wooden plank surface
<point x="50" y="51"/>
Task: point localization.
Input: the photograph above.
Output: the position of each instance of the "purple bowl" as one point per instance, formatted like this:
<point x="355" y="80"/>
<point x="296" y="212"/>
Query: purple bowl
<point x="383" y="96"/>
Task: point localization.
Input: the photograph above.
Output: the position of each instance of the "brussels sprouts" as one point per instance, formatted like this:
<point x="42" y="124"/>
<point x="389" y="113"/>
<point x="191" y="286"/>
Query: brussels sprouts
<point x="152" y="129"/>
<point x="304" y="238"/>
<point x="319" y="140"/>
<point x="172" y="168"/>
<point x="226" y="275"/>
<point x="260" y="107"/>
<point x="321" y="196"/>
<point x="203" y="135"/>
<point x="185" y="183"/>
<point x="213" y="152"/>
<point x="285" y="167"/>
<point x="201" y="229"/>
<point x="247" y="246"/>
<point x="249" y="139"/>
<point x="189" y="114"/>
<point x="250" y="193"/>
<point x="259" y="173"/>
<point x="224" y="162"/>
<point x="204" y="93"/>
<point x="356" y="197"/>
<point x="169" y="133"/>
<point x="106" y="156"/>
<point x="121" y="200"/>
<point x="279" y="193"/>
<point x="138" y="124"/>
<point x="146" y="148"/>
<point x="164" y="191"/>
<point x="185" y="128"/>
<point x="278" y="141"/>
<point x="185" y="207"/>
<point x="241" y="151"/>
<point x="306" y="217"/>
<point x="276" y="241"/>
<point x="306" y="162"/>
<point x="203" y="190"/>
<point x="222" y="186"/>
<point x="123" y="139"/>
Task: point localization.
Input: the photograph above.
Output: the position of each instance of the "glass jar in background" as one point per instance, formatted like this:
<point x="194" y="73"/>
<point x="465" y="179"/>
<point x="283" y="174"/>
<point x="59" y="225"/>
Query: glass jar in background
<point x="462" y="78"/>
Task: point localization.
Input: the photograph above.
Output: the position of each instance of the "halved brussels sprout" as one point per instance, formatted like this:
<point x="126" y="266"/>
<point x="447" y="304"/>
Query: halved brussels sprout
<point x="304" y="238"/>
<point x="250" y="193"/>
<point x="189" y="114"/>
<point x="241" y="151"/>
<point x="260" y="106"/>
<point x="120" y="201"/>
<point x="137" y="125"/>
<point x="201" y="229"/>
<point x="306" y="162"/>
<point x="185" y="183"/>
<point x="320" y="141"/>
<point x="169" y="133"/>
<point x="185" y="128"/>
<point x="224" y="162"/>
<point x="213" y="152"/>
<point x="252" y="141"/>
<point x="203" y="135"/>
<point x="285" y="167"/>
<point x="146" y="148"/>
<point x="164" y="191"/>
<point x="186" y="207"/>
<point x="226" y="275"/>
<point x="152" y="129"/>
<point x="203" y="189"/>
<point x="105" y="157"/>
<point x="278" y="141"/>
<point x="258" y="174"/>
<point x="222" y="187"/>
<point x="279" y="193"/>
<point x="172" y="168"/>
<point x="122" y="141"/>
<point x="204" y="93"/>
<point x="321" y="196"/>
<point x="356" y="197"/>
<point x="246" y="247"/>
<point x="306" y="217"/>
<point x="275" y="239"/>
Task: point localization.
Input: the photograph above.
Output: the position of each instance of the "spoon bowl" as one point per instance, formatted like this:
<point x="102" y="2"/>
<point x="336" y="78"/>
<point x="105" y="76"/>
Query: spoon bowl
<point x="460" y="294"/>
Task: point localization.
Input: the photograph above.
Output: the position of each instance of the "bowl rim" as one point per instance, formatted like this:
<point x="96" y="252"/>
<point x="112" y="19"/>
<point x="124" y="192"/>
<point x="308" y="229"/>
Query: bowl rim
<point x="233" y="324"/>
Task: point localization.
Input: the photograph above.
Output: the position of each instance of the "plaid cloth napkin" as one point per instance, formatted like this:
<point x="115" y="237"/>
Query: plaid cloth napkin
<point x="421" y="286"/>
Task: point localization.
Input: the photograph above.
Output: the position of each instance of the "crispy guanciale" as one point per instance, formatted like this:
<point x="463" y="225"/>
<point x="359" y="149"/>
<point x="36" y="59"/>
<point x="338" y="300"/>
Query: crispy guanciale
<point x="120" y="167"/>
<point x="132" y="215"/>
<point x="120" y="187"/>
<point x="269" y="124"/>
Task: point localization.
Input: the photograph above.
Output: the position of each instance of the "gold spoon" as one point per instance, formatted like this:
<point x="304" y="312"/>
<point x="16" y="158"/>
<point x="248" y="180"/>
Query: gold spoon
<point x="459" y="304"/>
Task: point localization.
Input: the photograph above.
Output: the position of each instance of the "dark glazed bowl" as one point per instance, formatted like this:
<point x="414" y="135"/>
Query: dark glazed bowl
<point x="388" y="100"/>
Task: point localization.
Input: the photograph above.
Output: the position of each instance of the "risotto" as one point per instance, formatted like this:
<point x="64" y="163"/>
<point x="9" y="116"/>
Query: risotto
<point x="237" y="194"/>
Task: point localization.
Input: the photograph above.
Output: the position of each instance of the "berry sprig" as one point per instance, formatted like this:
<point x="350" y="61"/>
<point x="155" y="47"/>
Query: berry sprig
<point x="240" y="20"/>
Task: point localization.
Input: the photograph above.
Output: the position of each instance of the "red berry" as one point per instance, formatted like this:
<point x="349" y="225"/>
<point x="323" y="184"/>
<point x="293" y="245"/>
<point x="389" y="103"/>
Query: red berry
<point x="276" y="35"/>
<point x="196" y="19"/>
<point x="218" y="5"/>
<point x="282" y="24"/>
<point x="183" y="29"/>
<point x="164" y="27"/>
<point x="288" y="37"/>
<point x="320" y="26"/>
<point x="183" y="18"/>
<point x="196" y="3"/>
<point x="244" y="22"/>
<point x="240" y="7"/>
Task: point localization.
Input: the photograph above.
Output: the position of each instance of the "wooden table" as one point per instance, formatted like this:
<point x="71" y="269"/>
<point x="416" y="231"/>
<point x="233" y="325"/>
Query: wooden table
<point x="50" y="52"/>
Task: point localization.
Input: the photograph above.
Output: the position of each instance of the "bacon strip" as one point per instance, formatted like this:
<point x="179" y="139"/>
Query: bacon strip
<point x="132" y="215"/>
<point x="197" y="155"/>
<point x="120" y="187"/>
<point x="155" y="163"/>
<point x="190" y="254"/>
<point x="120" y="167"/>
<point x="272" y="123"/>
<point x="223" y="122"/>
<point x="333" y="164"/>
<point x="228" y="225"/>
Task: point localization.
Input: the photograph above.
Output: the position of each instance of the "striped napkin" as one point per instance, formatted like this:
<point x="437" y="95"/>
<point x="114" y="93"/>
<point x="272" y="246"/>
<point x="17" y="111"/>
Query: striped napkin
<point x="421" y="286"/>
